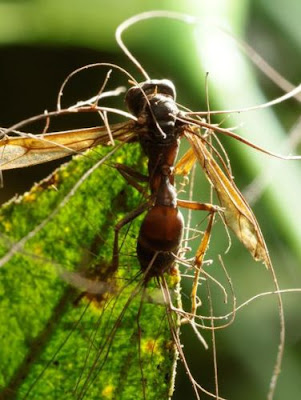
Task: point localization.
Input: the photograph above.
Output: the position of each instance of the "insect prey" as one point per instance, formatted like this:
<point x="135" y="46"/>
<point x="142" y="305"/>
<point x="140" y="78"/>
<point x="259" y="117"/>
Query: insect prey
<point x="150" y="231"/>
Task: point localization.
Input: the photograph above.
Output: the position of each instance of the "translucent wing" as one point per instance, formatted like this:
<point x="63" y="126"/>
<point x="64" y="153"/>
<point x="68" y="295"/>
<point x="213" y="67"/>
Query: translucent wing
<point x="238" y="214"/>
<point x="28" y="149"/>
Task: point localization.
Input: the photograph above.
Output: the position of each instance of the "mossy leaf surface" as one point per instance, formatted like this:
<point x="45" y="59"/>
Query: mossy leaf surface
<point x="55" y="341"/>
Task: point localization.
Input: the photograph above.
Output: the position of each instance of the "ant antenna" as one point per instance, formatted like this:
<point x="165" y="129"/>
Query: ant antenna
<point x="141" y="17"/>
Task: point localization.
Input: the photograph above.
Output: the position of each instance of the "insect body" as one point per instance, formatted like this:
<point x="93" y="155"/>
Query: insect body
<point x="158" y="131"/>
<point x="158" y="125"/>
<point x="161" y="230"/>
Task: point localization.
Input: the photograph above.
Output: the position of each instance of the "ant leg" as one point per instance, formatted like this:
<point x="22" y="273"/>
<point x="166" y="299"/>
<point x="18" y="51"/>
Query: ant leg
<point x="128" y="218"/>
<point x="132" y="177"/>
<point x="132" y="172"/>
<point x="198" y="264"/>
<point x="212" y="209"/>
<point x="195" y="205"/>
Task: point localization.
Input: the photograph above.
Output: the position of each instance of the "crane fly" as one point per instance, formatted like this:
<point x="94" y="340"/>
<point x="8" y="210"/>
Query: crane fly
<point x="158" y="124"/>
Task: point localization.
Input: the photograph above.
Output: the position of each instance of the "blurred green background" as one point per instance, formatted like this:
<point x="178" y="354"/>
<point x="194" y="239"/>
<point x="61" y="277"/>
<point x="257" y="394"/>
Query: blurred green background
<point x="42" y="41"/>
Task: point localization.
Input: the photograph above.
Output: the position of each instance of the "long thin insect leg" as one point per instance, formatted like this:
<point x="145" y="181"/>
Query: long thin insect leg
<point x="131" y="172"/>
<point x="128" y="218"/>
<point x="212" y="209"/>
<point x="198" y="263"/>
<point x="195" y="205"/>
<point x="200" y="252"/>
<point x="132" y="176"/>
<point x="139" y="342"/>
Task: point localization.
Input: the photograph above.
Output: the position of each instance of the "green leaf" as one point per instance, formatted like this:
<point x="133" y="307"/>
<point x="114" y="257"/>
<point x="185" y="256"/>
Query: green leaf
<point x="54" y="342"/>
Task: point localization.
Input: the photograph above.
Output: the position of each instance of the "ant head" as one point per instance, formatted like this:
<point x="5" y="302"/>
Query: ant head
<point x="135" y="99"/>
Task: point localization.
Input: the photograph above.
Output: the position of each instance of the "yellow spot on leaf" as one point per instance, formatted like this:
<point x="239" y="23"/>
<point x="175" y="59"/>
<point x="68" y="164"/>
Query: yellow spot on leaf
<point x="38" y="250"/>
<point x="119" y="160"/>
<point x="65" y="174"/>
<point x="7" y="226"/>
<point x="29" y="197"/>
<point x="150" y="346"/>
<point x="108" y="392"/>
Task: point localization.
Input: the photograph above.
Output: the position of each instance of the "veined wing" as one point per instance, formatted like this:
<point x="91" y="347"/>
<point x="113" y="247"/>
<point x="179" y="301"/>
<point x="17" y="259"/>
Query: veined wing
<point x="28" y="149"/>
<point x="237" y="214"/>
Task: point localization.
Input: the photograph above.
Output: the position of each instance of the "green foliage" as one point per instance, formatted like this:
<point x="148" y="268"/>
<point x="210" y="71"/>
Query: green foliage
<point x="56" y="343"/>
